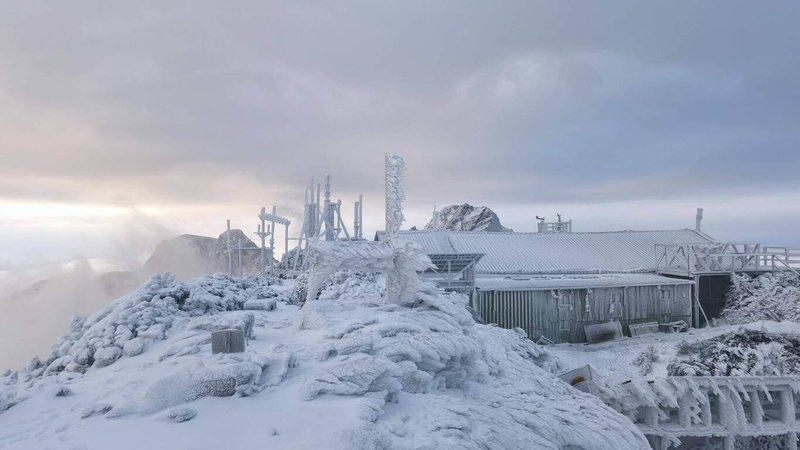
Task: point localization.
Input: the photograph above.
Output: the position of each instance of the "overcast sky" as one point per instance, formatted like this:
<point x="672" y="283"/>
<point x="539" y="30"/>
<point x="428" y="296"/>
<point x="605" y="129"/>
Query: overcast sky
<point x="124" y="123"/>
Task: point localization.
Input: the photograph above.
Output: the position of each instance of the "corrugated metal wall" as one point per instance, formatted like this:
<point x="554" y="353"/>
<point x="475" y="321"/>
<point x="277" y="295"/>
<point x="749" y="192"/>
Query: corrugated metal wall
<point x="562" y="318"/>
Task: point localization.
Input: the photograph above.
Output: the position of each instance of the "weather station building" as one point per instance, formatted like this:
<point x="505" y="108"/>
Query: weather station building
<point x="554" y="282"/>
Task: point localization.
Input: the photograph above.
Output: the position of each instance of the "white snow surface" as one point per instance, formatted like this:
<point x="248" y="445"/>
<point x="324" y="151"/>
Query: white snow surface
<point x="349" y="370"/>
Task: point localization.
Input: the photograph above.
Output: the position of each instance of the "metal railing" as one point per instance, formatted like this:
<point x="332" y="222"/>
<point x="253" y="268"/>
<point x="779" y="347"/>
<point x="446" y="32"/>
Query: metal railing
<point x="691" y="259"/>
<point x="555" y="227"/>
<point x="711" y="408"/>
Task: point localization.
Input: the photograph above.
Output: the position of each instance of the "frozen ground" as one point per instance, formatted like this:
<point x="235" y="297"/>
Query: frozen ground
<point x="345" y="371"/>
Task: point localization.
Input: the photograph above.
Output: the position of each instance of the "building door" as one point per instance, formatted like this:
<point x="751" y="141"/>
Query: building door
<point x="616" y="309"/>
<point x="666" y="302"/>
<point x="565" y="311"/>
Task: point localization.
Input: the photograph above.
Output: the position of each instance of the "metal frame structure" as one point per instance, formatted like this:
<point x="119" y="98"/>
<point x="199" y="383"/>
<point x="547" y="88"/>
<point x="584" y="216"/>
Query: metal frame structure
<point x="454" y="271"/>
<point x="264" y="231"/>
<point x="324" y="222"/>
<point x="689" y="260"/>
<point x="559" y="226"/>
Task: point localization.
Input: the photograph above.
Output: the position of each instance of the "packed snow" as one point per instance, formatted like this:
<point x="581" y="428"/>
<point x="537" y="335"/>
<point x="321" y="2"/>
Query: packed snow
<point x="348" y="370"/>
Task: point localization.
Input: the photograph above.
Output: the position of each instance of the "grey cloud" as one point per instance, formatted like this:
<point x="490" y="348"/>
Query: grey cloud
<point x="192" y="102"/>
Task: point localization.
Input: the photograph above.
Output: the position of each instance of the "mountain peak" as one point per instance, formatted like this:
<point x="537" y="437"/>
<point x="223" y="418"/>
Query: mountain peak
<point x="465" y="217"/>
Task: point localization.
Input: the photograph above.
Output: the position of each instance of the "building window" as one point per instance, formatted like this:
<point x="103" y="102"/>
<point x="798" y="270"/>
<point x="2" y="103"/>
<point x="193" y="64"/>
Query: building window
<point x="666" y="294"/>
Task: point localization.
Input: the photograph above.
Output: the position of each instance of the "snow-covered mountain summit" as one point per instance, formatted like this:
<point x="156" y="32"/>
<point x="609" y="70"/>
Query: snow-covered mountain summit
<point x="466" y="217"/>
<point x="346" y="371"/>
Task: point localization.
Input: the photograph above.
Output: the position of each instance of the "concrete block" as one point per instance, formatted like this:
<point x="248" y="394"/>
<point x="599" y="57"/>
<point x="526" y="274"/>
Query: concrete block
<point x="227" y="341"/>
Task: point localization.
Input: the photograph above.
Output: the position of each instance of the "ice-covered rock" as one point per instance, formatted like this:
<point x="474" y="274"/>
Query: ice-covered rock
<point x="179" y="415"/>
<point x="260" y="304"/>
<point x="106" y="356"/>
<point x="466" y="217"/>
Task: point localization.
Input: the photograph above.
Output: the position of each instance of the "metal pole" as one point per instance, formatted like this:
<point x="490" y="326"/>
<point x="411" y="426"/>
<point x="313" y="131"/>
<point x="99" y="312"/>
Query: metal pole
<point x="356" y="225"/>
<point x="262" y="235"/>
<point x="230" y="263"/>
<point x="241" y="272"/>
<point x="272" y="237"/>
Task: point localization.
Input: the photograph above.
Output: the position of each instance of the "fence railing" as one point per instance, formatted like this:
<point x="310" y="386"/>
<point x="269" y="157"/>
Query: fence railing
<point x="691" y="259"/>
<point x="702" y="410"/>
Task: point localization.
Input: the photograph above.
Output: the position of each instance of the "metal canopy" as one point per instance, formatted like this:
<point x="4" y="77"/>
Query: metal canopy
<point x="455" y="263"/>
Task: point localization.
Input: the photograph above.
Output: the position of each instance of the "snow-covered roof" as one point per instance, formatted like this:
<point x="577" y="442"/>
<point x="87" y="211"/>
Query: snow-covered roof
<point x="612" y="251"/>
<point x="574" y="281"/>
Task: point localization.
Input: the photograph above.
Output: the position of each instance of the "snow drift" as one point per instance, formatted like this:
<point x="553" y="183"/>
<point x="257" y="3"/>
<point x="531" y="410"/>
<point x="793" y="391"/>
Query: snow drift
<point x="349" y="370"/>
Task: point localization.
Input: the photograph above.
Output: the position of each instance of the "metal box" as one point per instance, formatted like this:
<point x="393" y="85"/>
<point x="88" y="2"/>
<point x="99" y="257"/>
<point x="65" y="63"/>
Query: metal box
<point x="227" y="341"/>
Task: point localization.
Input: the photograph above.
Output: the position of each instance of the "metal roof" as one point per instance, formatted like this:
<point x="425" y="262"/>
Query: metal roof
<point x="504" y="253"/>
<point x="573" y="281"/>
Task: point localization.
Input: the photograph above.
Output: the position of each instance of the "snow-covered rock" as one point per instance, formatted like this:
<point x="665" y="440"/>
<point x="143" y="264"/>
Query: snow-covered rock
<point x="466" y="217"/>
<point x="349" y="370"/>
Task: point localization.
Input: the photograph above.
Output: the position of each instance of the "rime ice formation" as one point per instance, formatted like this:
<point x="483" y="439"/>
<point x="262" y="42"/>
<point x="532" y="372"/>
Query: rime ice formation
<point x="395" y="193"/>
<point x="358" y="371"/>
<point x="740" y="353"/>
<point x="402" y="258"/>
<point x="466" y="217"/>
<point x="772" y="296"/>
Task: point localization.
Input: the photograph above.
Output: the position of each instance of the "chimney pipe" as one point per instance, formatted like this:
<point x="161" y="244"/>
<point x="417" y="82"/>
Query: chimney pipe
<point x="699" y="219"/>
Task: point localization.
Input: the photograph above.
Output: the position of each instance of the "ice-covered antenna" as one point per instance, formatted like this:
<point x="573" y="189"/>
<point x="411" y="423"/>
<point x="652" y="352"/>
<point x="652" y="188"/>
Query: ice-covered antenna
<point x="395" y="194"/>
<point x="436" y="218"/>
<point x="698" y="220"/>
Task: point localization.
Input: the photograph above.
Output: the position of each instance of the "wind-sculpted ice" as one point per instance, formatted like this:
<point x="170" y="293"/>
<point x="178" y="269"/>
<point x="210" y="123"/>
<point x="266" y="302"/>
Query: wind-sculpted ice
<point x="401" y="259"/>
